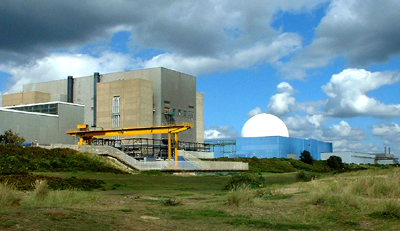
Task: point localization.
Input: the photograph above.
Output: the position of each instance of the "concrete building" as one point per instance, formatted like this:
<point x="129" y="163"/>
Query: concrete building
<point x="44" y="123"/>
<point x="268" y="147"/>
<point x="350" y="157"/>
<point x="148" y="97"/>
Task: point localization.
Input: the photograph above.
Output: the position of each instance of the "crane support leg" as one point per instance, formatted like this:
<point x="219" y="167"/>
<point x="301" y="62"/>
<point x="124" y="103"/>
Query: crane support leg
<point x="176" y="149"/>
<point x="169" y="146"/>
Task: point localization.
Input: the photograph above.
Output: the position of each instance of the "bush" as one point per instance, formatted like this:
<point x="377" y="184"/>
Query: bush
<point x="10" y="138"/>
<point x="240" y="195"/>
<point x="304" y="176"/>
<point x="306" y="157"/>
<point x="335" y="162"/>
<point x="246" y="180"/>
<point x="27" y="182"/>
<point x="19" y="160"/>
<point x="41" y="189"/>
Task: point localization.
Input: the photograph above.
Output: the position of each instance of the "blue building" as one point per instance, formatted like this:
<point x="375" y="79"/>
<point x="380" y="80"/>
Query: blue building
<point x="268" y="147"/>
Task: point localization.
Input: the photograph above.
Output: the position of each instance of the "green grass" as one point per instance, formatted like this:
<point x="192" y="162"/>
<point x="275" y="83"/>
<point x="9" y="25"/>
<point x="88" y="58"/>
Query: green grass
<point x="356" y="200"/>
<point x="141" y="202"/>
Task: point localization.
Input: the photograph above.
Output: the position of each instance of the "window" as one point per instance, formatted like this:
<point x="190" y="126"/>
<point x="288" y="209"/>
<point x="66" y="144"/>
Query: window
<point x="115" y="121"/>
<point x="115" y="112"/>
<point x="115" y="104"/>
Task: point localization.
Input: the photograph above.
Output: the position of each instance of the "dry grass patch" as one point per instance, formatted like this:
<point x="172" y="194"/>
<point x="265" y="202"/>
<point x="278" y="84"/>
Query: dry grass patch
<point x="9" y="196"/>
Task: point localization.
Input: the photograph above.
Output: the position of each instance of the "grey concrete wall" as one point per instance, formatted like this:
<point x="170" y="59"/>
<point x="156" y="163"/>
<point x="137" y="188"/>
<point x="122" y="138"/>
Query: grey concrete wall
<point x="31" y="126"/>
<point x="25" y="98"/>
<point x="180" y="90"/>
<point x="70" y="115"/>
<point x="200" y="117"/>
<point x="168" y="85"/>
<point x="52" y="87"/>
<point x="44" y="128"/>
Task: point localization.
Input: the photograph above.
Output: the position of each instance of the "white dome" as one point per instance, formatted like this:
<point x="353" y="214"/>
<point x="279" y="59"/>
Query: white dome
<point x="264" y="125"/>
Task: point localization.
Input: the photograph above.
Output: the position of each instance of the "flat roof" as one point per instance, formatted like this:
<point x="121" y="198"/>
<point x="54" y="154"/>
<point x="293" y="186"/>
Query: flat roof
<point x="25" y="112"/>
<point x="53" y="102"/>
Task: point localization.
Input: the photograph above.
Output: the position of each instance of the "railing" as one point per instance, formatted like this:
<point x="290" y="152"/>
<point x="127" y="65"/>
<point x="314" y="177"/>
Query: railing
<point x="192" y="163"/>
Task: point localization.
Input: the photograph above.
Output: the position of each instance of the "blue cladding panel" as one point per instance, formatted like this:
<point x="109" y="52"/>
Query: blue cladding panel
<point x="275" y="146"/>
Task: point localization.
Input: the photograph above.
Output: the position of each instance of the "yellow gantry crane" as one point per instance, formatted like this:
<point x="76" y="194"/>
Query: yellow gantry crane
<point x="85" y="134"/>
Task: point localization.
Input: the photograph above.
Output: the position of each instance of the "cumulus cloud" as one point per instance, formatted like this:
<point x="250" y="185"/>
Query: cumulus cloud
<point x="347" y="94"/>
<point x="343" y="131"/>
<point x="283" y="102"/>
<point x="305" y="126"/>
<point x="346" y="145"/>
<point x="194" y="37"/>
<point x="216" y="132"/>
<point x="271" y="52"/>
<point x="60" y="65"/>
<point x="254" y="112"/>
<point x="362" y="31"/>
<point x="390" y="133"/>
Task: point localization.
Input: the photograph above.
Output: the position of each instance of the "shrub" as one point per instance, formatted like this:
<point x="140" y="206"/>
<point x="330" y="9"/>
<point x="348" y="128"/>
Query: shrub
<point x="19" y="160"/>
<point x="335" y="162"/>
<point x="27" y="182"/>
<point x="304" y="176"/>
<point x="245" y="179"/>
<point x="10" y="138"/>
<point x="306" y="157"/>
<point x="240" y="195"/>
<point x="41" y="189"/>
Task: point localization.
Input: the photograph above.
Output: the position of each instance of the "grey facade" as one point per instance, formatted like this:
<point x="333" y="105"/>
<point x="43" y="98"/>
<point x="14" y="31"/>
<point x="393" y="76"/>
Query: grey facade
<point x="49" y="126"/>
<point x="174" y="97"/>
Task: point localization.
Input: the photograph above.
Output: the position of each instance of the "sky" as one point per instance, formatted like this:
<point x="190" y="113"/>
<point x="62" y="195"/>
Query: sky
<point x="328" y="69"/>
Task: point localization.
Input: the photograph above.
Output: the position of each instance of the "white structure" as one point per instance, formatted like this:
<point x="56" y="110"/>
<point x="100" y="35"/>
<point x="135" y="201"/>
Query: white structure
<point x="262" y="125"/>
<point x="349" y="157"/>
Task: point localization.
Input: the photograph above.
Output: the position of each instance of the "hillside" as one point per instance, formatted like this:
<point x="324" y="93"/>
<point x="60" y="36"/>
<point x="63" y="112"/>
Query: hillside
<point x="18" y="164"/>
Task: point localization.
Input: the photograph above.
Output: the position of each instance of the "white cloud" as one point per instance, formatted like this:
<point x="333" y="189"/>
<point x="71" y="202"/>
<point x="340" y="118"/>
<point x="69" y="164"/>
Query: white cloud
<point x="347" y="94"/>
<point x="362" y="31"/>
<point x="283" y="102"/>
<point x="60" y="65"/>
<point x="346" y="145"/>
<point x="261" y="52"/>
<point x="300" y="127"/>
<point x="390" y="133"/>
<point x="305" y="127"/>
<point x="343" y="131"/>
<point x="218" y="132"/>
<point x="254" y="112"/>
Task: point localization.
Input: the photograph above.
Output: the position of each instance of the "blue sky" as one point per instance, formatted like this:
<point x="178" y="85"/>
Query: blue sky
<point x="329" y="69"/>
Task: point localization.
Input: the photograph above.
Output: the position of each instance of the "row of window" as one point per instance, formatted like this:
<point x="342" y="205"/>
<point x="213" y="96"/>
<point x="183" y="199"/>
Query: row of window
<point x="179" y="112"/>
<point x="42" y="108"/>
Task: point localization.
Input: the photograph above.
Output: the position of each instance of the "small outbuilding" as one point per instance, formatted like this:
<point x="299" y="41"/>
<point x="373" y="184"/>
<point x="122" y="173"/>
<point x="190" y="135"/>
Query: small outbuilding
<point x="350" y="157"/>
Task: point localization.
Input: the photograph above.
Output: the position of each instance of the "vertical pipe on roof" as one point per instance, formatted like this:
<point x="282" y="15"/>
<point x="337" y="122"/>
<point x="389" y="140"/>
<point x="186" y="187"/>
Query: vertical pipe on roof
<point x="96" y="79"/>
<point x="70" y="89"/>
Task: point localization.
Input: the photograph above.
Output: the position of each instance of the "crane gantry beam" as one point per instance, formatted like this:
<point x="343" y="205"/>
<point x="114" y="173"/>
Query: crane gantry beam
<point x="85" y="134"/>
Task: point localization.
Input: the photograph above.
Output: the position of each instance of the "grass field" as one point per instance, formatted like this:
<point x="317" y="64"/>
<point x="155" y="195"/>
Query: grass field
<point x="364" y="200"/>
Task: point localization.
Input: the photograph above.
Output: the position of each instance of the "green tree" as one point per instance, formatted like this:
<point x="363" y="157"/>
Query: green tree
<point x="335" y="162"/>
<point x="11" y="138"/>
<point x="306" y="157"/>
